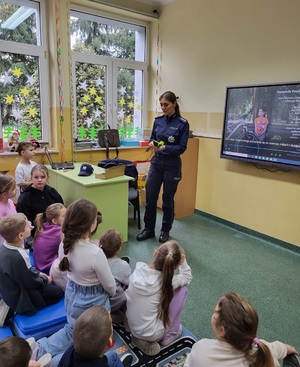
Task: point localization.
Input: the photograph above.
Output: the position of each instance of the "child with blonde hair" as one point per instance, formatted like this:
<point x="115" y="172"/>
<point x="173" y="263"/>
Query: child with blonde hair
<point x="22" y="287"/>
<point x="160" y="295"/>
<point x="26" y="151"/>
<point x="111" y="243"/>
<point x="235" y="323"/>
<point x="39" y="195"/>
<point x="48" y="236"/>
<point x="8" y="190"/>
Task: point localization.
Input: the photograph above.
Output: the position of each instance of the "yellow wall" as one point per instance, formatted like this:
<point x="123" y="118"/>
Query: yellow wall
<point x="254" y="198"/>
<point x="207" y="45"/>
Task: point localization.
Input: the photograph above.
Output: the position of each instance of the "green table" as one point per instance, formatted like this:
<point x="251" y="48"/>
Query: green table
<point x="110" y="196"/>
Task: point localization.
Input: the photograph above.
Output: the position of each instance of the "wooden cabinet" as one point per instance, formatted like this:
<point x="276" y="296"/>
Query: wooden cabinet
<point x="185" y="198"/>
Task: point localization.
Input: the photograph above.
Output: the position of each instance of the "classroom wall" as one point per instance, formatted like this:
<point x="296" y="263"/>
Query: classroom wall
<point x="206" y="46"/>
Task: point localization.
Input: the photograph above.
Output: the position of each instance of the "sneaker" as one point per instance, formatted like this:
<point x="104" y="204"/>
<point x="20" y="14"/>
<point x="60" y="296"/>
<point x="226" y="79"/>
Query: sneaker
<point x="291" y="360"/>
<point x="3" y="312"/>
<point x="46" y="360"/>
<point x="149" y="348"/>
<point x="126" y="359"/>
<point x="171" y="337"/>
<point x="34" y="347"/>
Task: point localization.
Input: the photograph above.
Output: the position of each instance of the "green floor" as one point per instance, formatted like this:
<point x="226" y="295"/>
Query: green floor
<point x="224" y="259"/>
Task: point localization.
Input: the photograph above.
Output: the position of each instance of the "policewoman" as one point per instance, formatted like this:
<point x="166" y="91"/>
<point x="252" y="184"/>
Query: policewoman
<point x="168" y="140"/>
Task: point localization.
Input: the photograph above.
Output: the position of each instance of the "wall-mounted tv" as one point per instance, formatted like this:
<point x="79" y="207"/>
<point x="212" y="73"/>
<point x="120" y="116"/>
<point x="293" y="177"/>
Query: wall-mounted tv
<point x="262" y="124"/>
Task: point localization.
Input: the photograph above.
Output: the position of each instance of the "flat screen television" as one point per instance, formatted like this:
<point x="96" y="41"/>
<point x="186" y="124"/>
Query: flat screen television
<point x="262" y="125"/>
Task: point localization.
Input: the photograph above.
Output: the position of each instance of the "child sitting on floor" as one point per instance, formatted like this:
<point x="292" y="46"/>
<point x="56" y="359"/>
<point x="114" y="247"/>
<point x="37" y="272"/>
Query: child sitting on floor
<point x="8" y="190"/>
<point x="90" y="281"/>
<point x="92" y="335"/>
<point x="16" y="352"/>
<point x="22" y="287"/>
<point x="48" y="236"/>
<point x="235" y="323"/>
<point x="36" y="198"/>
<point x="156" y="298"/>
<point x="59" y="277"/>
<point x="111" y="244"/>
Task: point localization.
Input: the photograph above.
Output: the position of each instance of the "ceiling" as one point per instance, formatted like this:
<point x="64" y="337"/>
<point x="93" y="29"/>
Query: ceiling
<point x="155" y="2"/>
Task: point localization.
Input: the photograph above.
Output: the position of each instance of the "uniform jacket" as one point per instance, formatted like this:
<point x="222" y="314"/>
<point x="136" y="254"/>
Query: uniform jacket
<point x="173" y="131"/>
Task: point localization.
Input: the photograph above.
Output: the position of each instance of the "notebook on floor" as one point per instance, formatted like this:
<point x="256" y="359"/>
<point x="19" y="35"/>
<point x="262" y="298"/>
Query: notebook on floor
<point x="62" y="165"/>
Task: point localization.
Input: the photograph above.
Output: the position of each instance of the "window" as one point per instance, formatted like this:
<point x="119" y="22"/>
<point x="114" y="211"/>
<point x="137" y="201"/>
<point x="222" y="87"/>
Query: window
<point x="23" y="71"/>
<point x="109" y="74"/>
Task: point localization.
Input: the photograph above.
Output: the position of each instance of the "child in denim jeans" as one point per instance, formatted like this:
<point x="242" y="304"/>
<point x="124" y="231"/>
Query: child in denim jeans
<point x="90" y="281"/>
<point x="92" y="336"/>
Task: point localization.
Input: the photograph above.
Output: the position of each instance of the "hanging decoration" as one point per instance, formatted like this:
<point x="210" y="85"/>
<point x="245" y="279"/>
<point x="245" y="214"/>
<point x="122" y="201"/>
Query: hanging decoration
<point x="60" y="78"/>
<point x="72" y="98"/>
<point x="157" y="80"/>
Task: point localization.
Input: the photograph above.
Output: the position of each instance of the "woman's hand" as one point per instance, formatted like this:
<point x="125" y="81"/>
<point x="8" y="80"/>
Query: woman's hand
<point x="162" y="147"/>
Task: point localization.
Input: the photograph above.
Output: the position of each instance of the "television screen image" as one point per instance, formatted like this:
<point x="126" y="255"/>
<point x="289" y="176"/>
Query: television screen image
<point x="262" y="124"/>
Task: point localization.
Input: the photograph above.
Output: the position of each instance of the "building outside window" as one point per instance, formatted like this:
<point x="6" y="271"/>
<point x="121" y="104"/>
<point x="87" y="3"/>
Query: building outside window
<point x="109" y="74"/>
<point x="24" y="106"/>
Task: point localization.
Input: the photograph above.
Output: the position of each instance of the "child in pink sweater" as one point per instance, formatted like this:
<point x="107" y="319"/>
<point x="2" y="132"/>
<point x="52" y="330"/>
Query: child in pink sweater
<point x="8" y="190"/>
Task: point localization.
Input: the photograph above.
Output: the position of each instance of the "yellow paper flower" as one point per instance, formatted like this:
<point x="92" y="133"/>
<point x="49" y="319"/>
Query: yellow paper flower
<point x="17" y="72"/>
<point x="98" y="99"/>
<point x="86" y="98"/>
<point x="32" y="112"/>
<point x="93" y="91"/>
<point x="9" y="99"/>
<point x="24" y="91"/>
<point x="84" y="111"/>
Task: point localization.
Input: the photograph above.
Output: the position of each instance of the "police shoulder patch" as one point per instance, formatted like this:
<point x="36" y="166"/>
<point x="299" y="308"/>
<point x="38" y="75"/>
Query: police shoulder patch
<point x="182" y="120"/>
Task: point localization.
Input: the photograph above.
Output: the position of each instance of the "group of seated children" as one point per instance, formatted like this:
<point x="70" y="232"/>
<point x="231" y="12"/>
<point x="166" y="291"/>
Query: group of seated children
<point x="98" y="287"/>
<point x="92" y="336"/>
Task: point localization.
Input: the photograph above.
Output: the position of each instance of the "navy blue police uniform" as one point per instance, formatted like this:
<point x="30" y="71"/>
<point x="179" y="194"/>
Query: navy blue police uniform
<point x="165" y="169"/>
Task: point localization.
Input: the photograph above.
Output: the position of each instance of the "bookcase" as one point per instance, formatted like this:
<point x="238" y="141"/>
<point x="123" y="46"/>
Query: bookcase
<point x="185" y="197"/>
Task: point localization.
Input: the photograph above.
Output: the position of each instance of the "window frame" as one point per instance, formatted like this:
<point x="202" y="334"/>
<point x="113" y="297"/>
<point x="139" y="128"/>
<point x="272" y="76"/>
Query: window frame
<point x="40" y="51"/>
<point x="111" y="63"/>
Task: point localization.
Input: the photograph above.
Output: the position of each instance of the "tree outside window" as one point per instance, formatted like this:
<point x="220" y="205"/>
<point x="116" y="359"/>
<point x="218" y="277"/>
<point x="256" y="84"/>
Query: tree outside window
<point x="109" y="74"/>
<point x="20" y="72"/>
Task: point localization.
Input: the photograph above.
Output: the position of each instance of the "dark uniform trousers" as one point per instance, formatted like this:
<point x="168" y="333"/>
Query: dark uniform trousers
<point x="164" y="170"/>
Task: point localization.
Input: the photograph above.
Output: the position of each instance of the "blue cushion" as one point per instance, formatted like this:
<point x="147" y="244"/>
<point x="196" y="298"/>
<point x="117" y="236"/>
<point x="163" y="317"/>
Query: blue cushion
<point x="5" y="332"/>
<point x="45" y="322"/>
<point x="31" y="258"/>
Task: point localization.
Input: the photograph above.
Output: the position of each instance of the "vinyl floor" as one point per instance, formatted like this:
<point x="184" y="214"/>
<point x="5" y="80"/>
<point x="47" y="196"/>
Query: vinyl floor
<point x="224" y="259"/>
